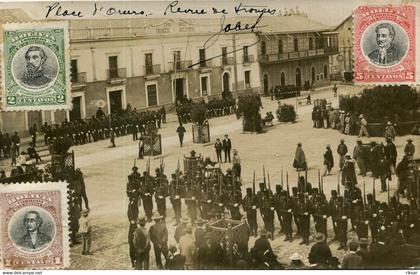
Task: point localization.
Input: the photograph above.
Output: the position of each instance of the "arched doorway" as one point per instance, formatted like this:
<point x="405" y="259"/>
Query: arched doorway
<point x="298" y="77"/>
<point x="282" y="79"/>
<point x="226" y="84"/>
<point x="313" y="74"/>
<point x="265" y="81"/>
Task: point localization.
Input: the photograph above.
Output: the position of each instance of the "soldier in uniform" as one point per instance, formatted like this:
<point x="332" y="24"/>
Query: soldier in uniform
<point x="351" y="196"/>
<point x="234" y="201"/>
<point x="161" y="192"/>
<point x="133" y="192"/>
<point x="285" y="209"/>
<point x="361" y="221"/>
<point x="147" y="195"/>
<point x="132" y="250"/>
<point x="340" y="216"/>
<point x="303" y="217"/>
<point x="320" y="214"/>
<point x="331" y="206"/>
<point x="267" y="211"/>
<point x="250" y="205"/>
<point x="295" y="200"/>
<point x="191" y="200"/>
<point x="372" y="212"/>
<point x="175" y="194"/>
<point x="349" y="172"/>
<point x="277" y="198"/>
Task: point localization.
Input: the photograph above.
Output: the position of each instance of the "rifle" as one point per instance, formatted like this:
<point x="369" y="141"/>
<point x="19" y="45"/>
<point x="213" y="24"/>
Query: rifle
<point x="269" y="185"/>
<point x="282" y="178"/>
<point x="233" y="187"/>
<point x="322" y="185"/>
<point x="364" y="194"/>
<point x="389" y="197"/>
<point x="177" y="176"/>
<point x="264" y="175"/>
<point x="338" y="184"/>
<point x="253" y="184"/>
<point x="220" y="184"/>
<point x="162" y="165"/>
<point x="373" y="190"/>
<point x="319" y="181"/>
<point x="287" y="183"/>
<point x="398" y="191"/>
<point x="306" y="180"/>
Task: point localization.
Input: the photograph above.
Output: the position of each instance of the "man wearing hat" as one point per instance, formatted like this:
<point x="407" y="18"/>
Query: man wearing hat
<point x="389" y="131"/>
<point x="267" y="211"/>
<point x="141" y="242"/>
<point x="176" y="191"/>
<point x="364" y="252"/>
<point x="349" y="173"/>
<point x="302" y="213"/>
<point x="250" y="205"/>
<point x="340" y="214"/>
<point x="360" y="155"/>
<point x="342" y="151"/>
<point x="296" y="261"/>
<point x="236" y="165"/>
<point x="132" y="250"/>
<point x="85" y="230"/>
<point x="351" y="260"/>
<point x="391" y="154"/>
<point x="285" y="209"/>
<point x="328" y="161"/>
<point x="262" y="244"/>
<point x="227" y="146"/>
<point x="363" y="126"/>
<point x="277" y="198"/>
<point x="180" y="229"/>
<point x="320" y="251"/>
<point x="133" y="192"/>
<point x="299" y="162"/>
<point x="187" y="248"/>
<point x="159" y="237"/>
<point x="295" y="200"/>
<point x="331" y="207"/>
<point x="161" y="192"/>
<point x="409" y="149"/>
<point x="147" y="187"/>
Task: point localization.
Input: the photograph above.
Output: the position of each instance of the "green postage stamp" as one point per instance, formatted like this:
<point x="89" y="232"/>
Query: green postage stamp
<point x="35" y="62"/>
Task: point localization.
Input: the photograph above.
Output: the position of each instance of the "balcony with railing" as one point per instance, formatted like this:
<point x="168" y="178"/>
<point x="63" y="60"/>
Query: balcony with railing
<point x="227" y="60"/>
<point x="179" y="65"/>
<point x="78" y="80"/>
<point x="152" y="69"/>
<point x="272" y="58"/>
<point x="246" y="59"/>
<point x="116" y="75"/>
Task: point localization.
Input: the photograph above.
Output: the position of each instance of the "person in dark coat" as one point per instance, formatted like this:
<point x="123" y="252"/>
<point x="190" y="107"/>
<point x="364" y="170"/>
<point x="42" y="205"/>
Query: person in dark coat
<point x="219" y="147"/>
<point x="132" y="249"/>
<point x="175" y="261"/>
<point x="159" y="237"/>
<point x="352" y="260"/>
<point x="181" y="131"/>
<point x="349" y="172"/>
<point x="262" y="244"/>
<point x="328" y="161"/>
<point x="227" y="146"/>
<point x="391" y="153"/>
<point x="320" y="252"/>
<point x="342" y="150"/>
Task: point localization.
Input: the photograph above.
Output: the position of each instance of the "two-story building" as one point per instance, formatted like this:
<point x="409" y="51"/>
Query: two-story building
<point x="294" y="50"/>
<point x="154" y="62"/>
<point x="342" y="62"/>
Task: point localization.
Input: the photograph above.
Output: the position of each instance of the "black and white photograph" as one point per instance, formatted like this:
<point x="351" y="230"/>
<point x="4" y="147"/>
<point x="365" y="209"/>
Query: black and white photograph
<point x="221" y="135"/>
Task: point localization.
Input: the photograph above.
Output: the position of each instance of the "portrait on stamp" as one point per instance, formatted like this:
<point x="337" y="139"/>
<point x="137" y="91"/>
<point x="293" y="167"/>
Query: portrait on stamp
<point x="385" y="43"/>
<point x="37" y="226"/>
<point x="35" y="66"/>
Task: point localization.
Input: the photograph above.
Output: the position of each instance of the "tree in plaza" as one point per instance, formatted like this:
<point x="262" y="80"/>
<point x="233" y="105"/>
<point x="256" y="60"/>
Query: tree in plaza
<point x="249" y="109"/>
<point x="286" y="113"/>
<point x="396" y="103"/>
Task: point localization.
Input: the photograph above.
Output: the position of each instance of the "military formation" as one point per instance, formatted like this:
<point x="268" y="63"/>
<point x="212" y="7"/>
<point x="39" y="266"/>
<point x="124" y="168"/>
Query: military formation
<point x="213" y="108"/>
<point x="100" y="127"/>
<point x="209" y="194"/>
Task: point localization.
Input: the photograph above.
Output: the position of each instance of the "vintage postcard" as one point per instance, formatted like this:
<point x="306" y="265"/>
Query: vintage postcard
<point x="210" y="135"/>
<point x="35" y="62"/>
<point x="34" y="226"/>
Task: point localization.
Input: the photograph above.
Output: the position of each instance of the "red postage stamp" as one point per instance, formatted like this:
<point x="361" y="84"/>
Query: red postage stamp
<point x="34" y="226"/>
<point x="384" y="45"/>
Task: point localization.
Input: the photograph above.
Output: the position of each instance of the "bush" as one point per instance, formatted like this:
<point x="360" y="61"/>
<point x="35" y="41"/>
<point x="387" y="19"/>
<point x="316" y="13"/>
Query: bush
<point x="198" y="113"/>
<point x="286" y="113"/>
<point x="397" y="103"/>
<point x="249" y="109"/>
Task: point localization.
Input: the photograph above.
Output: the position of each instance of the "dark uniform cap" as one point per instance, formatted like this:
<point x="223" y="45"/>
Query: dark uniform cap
<point x="135" y="168"/>
<point x="294" y="190"/>
<point x="279" y="188"/>
<point x="262" y="184"/>
<point x="315" y="190"/>
<point x="333" y="192"/>
<point x="249" y="190"/>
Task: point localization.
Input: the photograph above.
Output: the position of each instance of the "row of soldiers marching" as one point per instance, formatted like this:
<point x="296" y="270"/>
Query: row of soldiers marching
<point x="99" y="127"/>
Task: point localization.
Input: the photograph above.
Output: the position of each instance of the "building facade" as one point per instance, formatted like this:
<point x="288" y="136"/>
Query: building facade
<point x="295" y="50"/>
<point x="149" y="63"/>
<point x="342" y="62"/>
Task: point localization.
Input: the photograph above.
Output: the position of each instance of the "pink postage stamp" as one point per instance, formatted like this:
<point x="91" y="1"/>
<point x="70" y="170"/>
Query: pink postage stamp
<point x="34" y="226"/>
<point x="384" y="45"/>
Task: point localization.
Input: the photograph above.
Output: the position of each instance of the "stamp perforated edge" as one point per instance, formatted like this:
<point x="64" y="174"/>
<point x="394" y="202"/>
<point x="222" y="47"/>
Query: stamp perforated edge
<point x="68" y="105"/>
<point x="45" y="186"/>
<point x="416" y="82"/>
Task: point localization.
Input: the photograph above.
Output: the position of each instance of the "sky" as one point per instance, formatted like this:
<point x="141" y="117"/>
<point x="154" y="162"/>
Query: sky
<point x="328" y="12"/>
